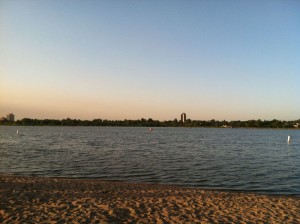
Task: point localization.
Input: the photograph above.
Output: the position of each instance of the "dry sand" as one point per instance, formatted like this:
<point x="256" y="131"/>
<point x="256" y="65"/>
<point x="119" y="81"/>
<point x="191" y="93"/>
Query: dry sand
<point x="57" y="200"/>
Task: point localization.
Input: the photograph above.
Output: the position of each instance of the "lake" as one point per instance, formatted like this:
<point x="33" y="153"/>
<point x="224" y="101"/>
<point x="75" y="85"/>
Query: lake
<point x="251" y="160"/>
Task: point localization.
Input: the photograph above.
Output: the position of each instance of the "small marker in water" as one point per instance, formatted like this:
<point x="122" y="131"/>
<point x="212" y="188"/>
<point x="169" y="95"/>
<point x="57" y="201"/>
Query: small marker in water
<point x="17" y="131"/>
<point x="289" y="139"/>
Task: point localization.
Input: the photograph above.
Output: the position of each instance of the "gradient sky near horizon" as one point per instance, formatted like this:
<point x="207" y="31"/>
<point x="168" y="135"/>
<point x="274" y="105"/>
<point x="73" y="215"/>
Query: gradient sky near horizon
<point x="212" y="59"/>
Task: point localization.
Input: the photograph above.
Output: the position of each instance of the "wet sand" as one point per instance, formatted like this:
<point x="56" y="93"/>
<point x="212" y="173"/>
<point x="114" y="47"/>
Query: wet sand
<point x="58" y="200"/>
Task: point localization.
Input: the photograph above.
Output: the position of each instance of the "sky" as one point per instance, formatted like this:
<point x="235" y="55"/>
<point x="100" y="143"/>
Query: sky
<point x="212" y="59"/>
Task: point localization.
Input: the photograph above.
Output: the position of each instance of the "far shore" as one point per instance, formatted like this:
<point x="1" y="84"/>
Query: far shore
<point x="61" y="200"/>
<point x="182" y="122"/>
<point x="153" y="127"/>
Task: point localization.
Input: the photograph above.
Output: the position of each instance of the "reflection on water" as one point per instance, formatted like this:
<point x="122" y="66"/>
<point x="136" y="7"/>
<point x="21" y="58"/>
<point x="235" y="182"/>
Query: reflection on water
<point x="235" y="159"/>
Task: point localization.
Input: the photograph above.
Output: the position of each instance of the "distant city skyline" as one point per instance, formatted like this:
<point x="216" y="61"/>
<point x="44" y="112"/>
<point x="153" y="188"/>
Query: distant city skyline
<point x="223" y="60"/>
<point x="8" y="117"/>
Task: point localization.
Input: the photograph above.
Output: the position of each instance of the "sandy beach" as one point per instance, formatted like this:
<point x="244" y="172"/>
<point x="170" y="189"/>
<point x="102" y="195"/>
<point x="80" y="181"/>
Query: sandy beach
<point x="58" y="200"/>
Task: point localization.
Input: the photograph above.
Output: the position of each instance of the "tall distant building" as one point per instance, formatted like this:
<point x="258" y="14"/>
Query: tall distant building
<point x="10" y="117"/>
<point x="183" y="117"/>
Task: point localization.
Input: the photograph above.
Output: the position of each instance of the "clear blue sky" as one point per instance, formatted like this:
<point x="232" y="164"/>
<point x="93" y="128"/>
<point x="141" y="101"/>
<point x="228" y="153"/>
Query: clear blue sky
<point x="233" y="60"/>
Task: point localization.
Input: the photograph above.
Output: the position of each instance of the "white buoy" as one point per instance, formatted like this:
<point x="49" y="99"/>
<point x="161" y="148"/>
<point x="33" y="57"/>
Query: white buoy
<point x="17" y="131"/>
<point x="289" y="139"/>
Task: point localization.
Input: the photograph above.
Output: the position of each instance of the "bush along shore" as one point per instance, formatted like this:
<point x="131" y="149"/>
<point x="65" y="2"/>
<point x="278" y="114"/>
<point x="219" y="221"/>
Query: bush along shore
<point x="156" y="123"/>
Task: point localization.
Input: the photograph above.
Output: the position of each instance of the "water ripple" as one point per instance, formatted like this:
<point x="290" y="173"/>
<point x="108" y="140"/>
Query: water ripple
<point x="234" y="159"/>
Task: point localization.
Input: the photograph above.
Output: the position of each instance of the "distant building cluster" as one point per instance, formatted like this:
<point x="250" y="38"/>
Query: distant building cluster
<point x="9" y="117"/>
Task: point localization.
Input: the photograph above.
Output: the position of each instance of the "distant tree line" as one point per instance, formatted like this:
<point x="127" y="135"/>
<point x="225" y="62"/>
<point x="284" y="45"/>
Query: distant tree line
<point x="155" y="123"/>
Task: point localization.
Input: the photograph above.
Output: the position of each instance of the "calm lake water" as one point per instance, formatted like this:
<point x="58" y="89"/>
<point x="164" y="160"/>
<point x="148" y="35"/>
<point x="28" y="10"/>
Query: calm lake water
<point x="255" y="160"/>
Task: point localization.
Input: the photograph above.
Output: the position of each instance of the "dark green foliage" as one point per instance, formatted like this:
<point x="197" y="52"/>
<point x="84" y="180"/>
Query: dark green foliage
<point x="155" y="123"/>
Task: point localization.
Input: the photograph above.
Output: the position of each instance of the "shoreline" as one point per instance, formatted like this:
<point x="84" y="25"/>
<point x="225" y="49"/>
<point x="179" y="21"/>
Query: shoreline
<point x="64" y="200"/>
<point x="225" y="190"/>
<point x="117" y="126"/>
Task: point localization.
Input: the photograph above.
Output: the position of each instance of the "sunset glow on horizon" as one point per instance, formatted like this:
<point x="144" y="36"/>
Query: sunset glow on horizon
<point x="232" y="60"/>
